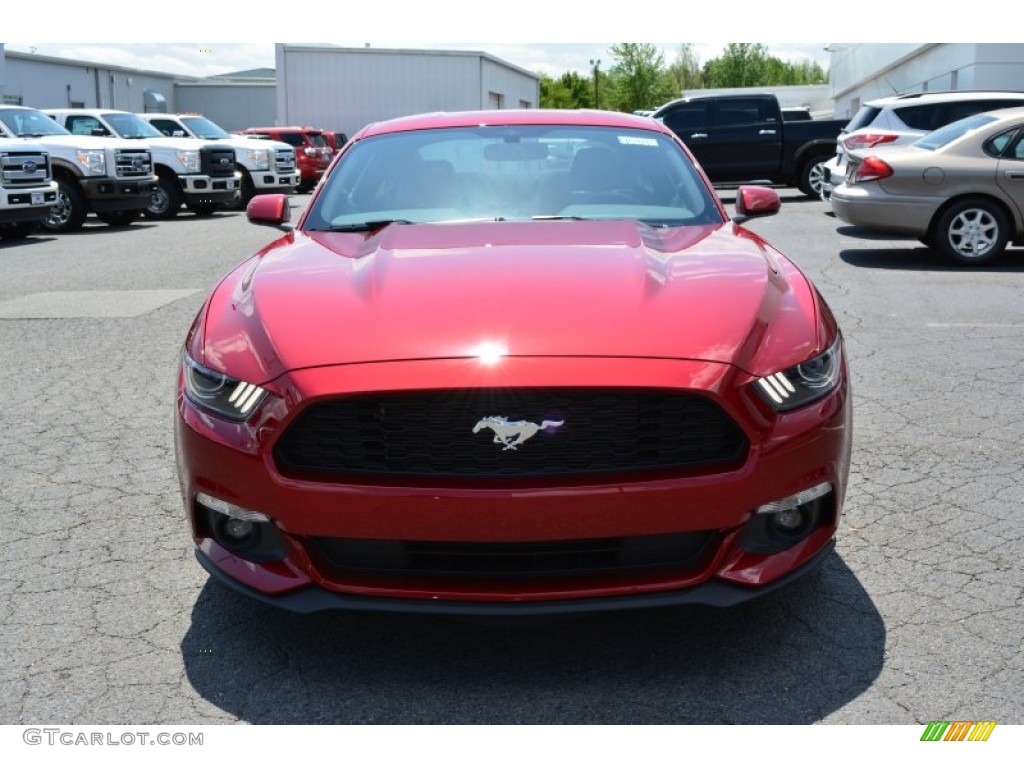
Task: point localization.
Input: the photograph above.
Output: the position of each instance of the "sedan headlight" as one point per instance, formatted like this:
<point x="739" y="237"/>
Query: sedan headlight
<point x="219" y="393"/>
<point x="803" y="383"/>
<point x="94" y="161"/>
<point x="189" y="159"/>
<point x="259" y="159"/>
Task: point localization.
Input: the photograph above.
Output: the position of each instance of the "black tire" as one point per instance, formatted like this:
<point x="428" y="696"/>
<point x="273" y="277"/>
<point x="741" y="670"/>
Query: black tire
<point x="18" y="230"/>
<point x="68" y="214"/>
<point x="246" y="192"/>
<point x="118" y="218"/>
<point x="812" y="174"/>
<point x="165" y="200"/>
<point x="971" y="232"/>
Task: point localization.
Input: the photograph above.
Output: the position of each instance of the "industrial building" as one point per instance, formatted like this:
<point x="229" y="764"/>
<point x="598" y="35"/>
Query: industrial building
<point x="859" y="72"/>
<point x="339" y="89"/>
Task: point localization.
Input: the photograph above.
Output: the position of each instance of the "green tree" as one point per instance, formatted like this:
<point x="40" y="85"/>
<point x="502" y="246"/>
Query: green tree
<point x="740" y="65"/>
<point x="638" y="78"/>
<point x="684" y="72"/>
<point x="570" y="91"/>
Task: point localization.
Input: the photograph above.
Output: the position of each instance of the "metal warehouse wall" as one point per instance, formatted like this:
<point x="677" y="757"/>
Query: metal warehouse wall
<point x="344" y="89"/>
<point x="860" y="72"/>
<point x="232" y="107"/>
<point x="44" y="83"/>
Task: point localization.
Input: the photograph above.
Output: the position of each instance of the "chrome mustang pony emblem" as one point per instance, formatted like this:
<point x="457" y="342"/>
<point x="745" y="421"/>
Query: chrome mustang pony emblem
<point x="513" y="433"/>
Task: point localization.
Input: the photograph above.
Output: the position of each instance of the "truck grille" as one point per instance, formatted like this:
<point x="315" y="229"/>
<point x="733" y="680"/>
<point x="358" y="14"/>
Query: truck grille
<point x="430" y="434"/>
<point x="510" y="560"/>
<point x="284" y="161"/>
<point x="217" y="160"/>
<point x="24" y="169"/>
<point x="133" y="163"/>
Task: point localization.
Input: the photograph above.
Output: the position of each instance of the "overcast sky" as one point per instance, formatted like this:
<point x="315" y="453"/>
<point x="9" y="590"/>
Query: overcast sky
<point x="217" y="58"/>
<point x="546" y="36"/>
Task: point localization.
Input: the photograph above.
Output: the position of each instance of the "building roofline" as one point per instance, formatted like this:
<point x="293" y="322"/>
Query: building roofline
<point x="9" y="54"/>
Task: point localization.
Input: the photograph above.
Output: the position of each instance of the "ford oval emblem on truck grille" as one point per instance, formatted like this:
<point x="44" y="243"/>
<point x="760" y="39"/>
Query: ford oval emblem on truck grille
<point x="224" y="161"/>
<point x="29" y="167"/>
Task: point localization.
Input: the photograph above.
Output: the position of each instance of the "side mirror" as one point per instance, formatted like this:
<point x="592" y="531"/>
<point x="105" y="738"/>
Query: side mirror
<point x="757" y="201"/>
<point x="269" y="210"/>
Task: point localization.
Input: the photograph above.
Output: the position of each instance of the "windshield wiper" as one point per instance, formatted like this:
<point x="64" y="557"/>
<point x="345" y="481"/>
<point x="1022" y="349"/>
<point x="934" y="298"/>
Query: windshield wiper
<point x="362" y="226"/>
<point x="556" y="217"/>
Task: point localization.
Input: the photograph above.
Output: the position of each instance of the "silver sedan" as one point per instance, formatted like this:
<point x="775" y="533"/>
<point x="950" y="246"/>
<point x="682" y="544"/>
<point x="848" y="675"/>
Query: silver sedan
<point x="959" y="189"/>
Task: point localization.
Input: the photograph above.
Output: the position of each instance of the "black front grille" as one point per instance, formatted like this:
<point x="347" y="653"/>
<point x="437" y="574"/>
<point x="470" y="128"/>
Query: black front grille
<point x="24" y="168"/>
<point x="515" y="559"/>
<point x="217" y="160"/>
<point x="579" y="432"/>
<point x="133" y="163"/>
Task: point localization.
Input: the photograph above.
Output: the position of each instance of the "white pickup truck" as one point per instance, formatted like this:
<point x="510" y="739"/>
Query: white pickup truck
<point x="200" y="174"/>
<point x="264" y="167"/>
<point x="27" y="190"/>
<point x="112" y="178"/>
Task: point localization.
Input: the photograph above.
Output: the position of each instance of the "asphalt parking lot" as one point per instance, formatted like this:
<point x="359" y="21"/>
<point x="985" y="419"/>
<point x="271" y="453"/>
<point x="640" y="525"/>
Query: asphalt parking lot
<point x="107" y="617"/>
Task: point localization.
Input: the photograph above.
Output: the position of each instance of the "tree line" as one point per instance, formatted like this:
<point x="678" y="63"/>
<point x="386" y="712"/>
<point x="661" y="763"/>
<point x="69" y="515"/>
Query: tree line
<point x="639" y="78"/>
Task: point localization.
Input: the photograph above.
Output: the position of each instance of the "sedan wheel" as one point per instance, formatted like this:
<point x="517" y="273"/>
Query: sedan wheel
<point x="972" y="232"/>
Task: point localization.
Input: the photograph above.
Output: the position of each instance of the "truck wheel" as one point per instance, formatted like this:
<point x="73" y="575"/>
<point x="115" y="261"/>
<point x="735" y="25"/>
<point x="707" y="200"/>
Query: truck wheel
<point x="118" y="218"/>
<point x="971" y="232"/>
<point x="68" y="214"/>
<point x="812" y="174"/>
<point x="18" y="230"/>
<point x="246" y="192"/>
<point x="165" y="200"/>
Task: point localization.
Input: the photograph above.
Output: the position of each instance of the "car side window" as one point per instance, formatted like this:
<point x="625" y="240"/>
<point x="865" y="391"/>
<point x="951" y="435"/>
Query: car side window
<point x="688" y="117"/>
<point x="84" y="125"/>
<point x="738" y="112"/>
<point x="168" y="127"/>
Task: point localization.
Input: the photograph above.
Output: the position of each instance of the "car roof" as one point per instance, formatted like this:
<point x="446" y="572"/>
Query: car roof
<point x="938" y="97"/>
<point x="589" y="117"/>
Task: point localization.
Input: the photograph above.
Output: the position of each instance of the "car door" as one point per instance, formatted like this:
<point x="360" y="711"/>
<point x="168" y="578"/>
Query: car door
<point x="1010" y="171"/>
<point x="745" y="139"/>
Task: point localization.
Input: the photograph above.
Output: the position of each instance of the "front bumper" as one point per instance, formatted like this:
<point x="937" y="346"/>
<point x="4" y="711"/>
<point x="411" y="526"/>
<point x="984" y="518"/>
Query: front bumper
<point x="201" y="189"/>
<point x="268" y="182"/>
<point x="111" y="194"/>
<point x="787" y="454"/>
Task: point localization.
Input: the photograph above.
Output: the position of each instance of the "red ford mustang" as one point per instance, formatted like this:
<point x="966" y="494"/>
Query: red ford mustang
<point x="514" y="362"/>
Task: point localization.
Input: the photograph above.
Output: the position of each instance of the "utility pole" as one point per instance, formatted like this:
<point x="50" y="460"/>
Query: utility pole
<point x="596" y="64"/>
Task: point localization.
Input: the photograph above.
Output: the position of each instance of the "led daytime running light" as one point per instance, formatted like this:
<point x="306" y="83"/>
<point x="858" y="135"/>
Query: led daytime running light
<point x="796" y="500"/>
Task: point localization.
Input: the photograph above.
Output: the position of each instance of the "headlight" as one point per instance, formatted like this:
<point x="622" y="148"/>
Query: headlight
<point x="803" y="383"/>
<point x="259" y="159"/>
<point x="189" y="159"/>
<point x="94" y="161"/>
<point x="219" y="393"/>
<point x="309" y="151"/>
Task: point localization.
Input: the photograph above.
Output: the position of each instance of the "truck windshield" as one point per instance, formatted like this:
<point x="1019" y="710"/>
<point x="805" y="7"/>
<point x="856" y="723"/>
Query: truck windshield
<point x="520" y="172"/>
<point x="29" y="123"/>
<point x="205" y="129"/>
<point x="131" y="126"/>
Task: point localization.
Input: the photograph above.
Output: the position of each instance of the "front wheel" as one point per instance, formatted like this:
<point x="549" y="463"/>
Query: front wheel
<point x="812" y="175"/>
<point x="68" y="214"/>
<point x="971" y="232"/>
<point x="165" y="200"/>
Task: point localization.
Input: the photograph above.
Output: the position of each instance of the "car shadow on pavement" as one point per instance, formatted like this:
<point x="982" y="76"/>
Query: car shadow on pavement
<point x="924" y="259"/>
<point x="793" y="656"/>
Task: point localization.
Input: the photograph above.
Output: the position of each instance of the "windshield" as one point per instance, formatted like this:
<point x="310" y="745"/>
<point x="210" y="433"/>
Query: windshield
<point x="205" y="129"/>
<point x="953" y="131"/>
<point x="30" y="123"/>
<point x="130" y="126"/>
<point x="513" y="172"/>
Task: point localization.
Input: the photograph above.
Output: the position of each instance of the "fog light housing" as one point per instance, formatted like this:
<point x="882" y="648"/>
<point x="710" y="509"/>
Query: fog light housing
<point x="243" y="532"/>
<point x="780" y="524"/>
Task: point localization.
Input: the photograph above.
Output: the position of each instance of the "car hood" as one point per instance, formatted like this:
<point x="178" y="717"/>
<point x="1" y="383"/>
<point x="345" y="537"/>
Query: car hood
<point x="427" y="291"/>
<point x="75" y="141"/>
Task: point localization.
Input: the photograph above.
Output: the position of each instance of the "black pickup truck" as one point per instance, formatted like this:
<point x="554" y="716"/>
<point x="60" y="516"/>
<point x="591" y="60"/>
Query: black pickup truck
<point x="744" y="138"/>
